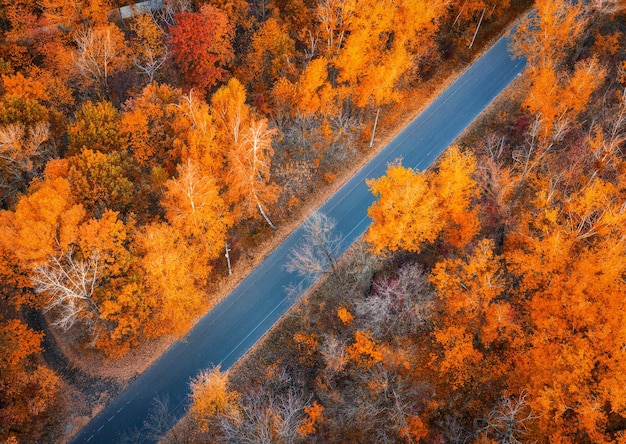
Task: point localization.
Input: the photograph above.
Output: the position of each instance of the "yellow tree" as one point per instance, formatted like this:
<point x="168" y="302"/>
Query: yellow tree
<point x="405" y="214"/>
<point x="148" y="48"/>
<point x="194" y="207"/>
<point x="68" y="14"/>
<point x="379" y="44"/>
<point x="152" y="121"/>
<point x="476" y="324"/>
<point x="272" y="56"/>
<point x="44" y="223"/>
<point x="456" y="191"/>
<point x="174" y="274"/>
<point x="548" y="35"/>
<point x="569" y="255"/>
<point x="414" y="208"/>
<point x="249" y="172"/>
<point x="75" y="265"/>
<point x="28" y="390"/>
<point x="557" y="98"/>
<point x="211" y="397"/>
<point x="249" y="142"/>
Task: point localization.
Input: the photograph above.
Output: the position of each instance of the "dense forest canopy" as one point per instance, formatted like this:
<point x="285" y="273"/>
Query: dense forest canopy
<point x="134" y="153"/>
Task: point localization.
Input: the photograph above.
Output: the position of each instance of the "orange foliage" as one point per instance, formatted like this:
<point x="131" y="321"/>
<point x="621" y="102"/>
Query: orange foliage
<point x="248" y="185"/>
<point x="211" y="397"/>
<point x="195" y="208"/>
<point x="71" y="13"/>
<point x="175" y="273"/>
<point x="27" y="390"/>
<point x="153" y="122"/>
<point x="416" y="208"/>
<point x="364" y="351"/>
<point x="546" y="36"/>
<point x="43" y="223"/>
<point x="558" y="99"/>
<point x="344" y="315"/>
<point x="272" y="56"/>
<point x="314" y="415"/>
<point x="370" y="61"/>
<point x="405" y="214"/>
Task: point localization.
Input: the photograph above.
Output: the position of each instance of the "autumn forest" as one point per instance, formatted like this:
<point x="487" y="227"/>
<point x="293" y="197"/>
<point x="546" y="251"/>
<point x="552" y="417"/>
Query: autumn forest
<point x="486" y="302"/>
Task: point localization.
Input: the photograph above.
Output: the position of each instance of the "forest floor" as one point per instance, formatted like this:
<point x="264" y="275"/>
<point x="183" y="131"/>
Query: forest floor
<point x="92" y="380"/>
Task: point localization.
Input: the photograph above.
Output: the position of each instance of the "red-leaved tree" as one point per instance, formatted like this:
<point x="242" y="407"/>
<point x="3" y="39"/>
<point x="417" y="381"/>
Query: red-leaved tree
<point x="201" y="46"/>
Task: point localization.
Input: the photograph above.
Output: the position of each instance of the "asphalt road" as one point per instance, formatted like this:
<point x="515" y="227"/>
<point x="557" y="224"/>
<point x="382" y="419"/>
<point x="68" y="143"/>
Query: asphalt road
<point x="234" y="325"/>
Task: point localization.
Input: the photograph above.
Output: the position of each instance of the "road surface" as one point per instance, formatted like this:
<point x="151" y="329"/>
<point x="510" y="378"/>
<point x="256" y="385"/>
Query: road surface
<point x="235" y="324"/>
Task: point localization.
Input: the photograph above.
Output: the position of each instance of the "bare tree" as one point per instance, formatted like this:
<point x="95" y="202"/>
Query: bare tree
<point x="398" y="304"/>
<point x="319" y="249"/>
<point x="509" y="420"/>
<point x="22" y="153"/>
<point x="259" y="142"/>
<point x="334" y="352"/>
<point x="69" y="285"/>
<point x="160" y="422"/>
<point x="265" y="418"/>
<point x="100" y="52"/>
<point x="170" y="8"/>
<point x="608" y="7"/>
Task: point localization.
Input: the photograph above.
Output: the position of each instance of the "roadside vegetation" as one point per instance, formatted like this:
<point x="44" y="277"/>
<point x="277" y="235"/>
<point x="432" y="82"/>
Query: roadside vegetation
<point x="486" y="301"/>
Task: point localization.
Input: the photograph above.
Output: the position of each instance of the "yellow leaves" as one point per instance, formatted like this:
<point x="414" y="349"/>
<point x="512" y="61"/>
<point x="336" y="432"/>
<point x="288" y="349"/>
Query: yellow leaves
<point x="558" y="98"/>
<point x="43" y="222"/>
<point x="596" y="210"/>
<point x="230" y="110"/>
<point x="588" y="75"/>
<point x="194" y="206"/>
<point x="307" y="343"/>
<point x="175" y="275"/>
<point x="271" y="43"/>
<point x="107" y="237"/>
<point x="18" y="342"/>
<point x="26" y="88"/>
<point x="249" y="144"/>
<point x="364" y="351"/>
<point x="405" y="214"/>
<point x="455" y="190"/>
<point x="548" y="34"/>
<point x="210" y="397"/>
<point x="314" y="415"/>
<point x="344" y="315"/>
<point x="415" y="208"/>
<point x="313" y="78"/>
<point x="415" y="429"/>
<point x="460" y="356"/>
<point x="470" y="290"/>
<point x="469" y="287"/>
<point x="152" y="121"/>
<point x="372" y="42"/>
<point x="26" y="390"/>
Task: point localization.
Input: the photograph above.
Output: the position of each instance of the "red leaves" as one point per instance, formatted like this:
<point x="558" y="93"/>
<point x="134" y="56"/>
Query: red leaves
<point x="201" y="46"/>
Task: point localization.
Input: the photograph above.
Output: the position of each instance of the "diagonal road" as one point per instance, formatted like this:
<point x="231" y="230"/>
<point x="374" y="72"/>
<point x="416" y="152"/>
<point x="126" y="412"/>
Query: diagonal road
<point x="235" y="324"/>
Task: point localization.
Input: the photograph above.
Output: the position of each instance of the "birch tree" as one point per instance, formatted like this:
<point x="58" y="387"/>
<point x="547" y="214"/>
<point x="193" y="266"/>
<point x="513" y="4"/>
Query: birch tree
<point x="68" y="284"/>
<point x="100" y="53"/>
